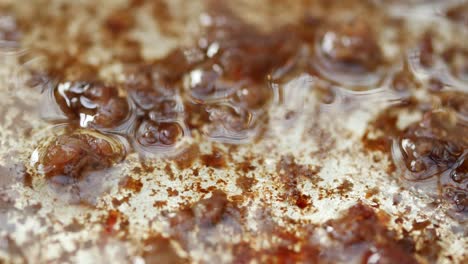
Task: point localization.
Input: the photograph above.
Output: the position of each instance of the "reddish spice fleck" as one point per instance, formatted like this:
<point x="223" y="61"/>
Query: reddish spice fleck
<point x="111" y="220"/>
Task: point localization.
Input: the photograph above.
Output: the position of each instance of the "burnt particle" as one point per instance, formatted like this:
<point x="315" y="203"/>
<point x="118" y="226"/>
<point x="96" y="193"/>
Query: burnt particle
<point x="159" y="204"/>
<point x="371" y="192"/>
<point x="169" y="172"/>
<point x="187" y="157"/>
<point x="344" y="188"/>
<point x="303" y="201"/>
<point x="110" y="222"/>
<point x="421" y="225"/>
<point x="360" y="225"/>
<point x="245" y="166"/>
<point x="172" y="192"/>
<point x="290" y="172"/>
<point x="27" y="180"/>
<point x="131" y="184"/>
<point x="119" y="21"/>
<point x="246" y="183"/>
<point x="158" y="249"/>
<point x="206" y="214"/>
<point x="215" y="160"/>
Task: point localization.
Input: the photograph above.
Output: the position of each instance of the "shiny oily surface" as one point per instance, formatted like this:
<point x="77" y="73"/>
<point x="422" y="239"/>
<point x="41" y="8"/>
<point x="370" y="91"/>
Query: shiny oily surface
<point x="205" y="132"/>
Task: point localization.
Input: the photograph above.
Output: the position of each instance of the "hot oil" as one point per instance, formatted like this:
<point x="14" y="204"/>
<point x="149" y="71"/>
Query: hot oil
<point x="220" y="91"/>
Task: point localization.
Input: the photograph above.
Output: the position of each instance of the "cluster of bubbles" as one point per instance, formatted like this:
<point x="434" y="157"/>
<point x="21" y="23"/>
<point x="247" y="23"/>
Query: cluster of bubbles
<point x="222" y="88"/>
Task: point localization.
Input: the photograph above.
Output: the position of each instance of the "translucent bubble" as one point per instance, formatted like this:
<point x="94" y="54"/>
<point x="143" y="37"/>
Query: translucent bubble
<point x="345" y="99"/>
<point x="65" y="153"/>
<point x="231" y="124"/>
<point x="348" y="54"/>
<point x="414" y="167"/>
<point x="439" y="70"/>
<point x="161" y="138"/>
<point x="90" y="105"/>
<point x="208" y="85"/>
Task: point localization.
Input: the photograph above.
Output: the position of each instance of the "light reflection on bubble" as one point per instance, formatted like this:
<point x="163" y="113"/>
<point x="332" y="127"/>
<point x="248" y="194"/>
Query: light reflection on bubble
<point x="231" y="124"/>
<point x="161" y="139"/>
<point x="439" y="71"/>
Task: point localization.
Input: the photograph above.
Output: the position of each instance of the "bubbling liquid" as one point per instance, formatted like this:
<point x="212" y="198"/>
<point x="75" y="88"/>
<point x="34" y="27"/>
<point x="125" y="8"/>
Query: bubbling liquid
<point x="93" y="105"/>
<point x="436" y="147"/>
<point x="349" y="53"/>
<point x="72" y="154"/>
<point x="225" y="85"/>
<point x="160" y="138"/>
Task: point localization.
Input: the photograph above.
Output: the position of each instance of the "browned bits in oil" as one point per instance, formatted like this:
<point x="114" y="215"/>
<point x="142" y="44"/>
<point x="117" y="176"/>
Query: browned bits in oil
<point x="245" y="166"/>
<point x="246" y="183"/>
<point x="111" y="220"/>
<point x="212" y="209"/>
<point x="284" y="252"/>
<point x="158" y="249"/>
<point x="385" y="125"/>
<point x="172" y="192"/>
<point x="254" y="97"/>
<point x="159" y="204"/>
<point x="131" y="184"/>
<point x="169" y="172"/>
<point x="120" y="21"/>
<point x="371" y="192"/>
<point x="303" y="201"/>
<point x="219" y="89"/>
<point x="27" y="180"/>
<point x="157" y="104"/>
<point x="290" y="173"/>
<point x="215" y="160"/>
<point x="71" y="155"/>
<point x="169" y="70"/>
<point x="421" y="225"/>
<point x="459" y="14"/>
<point x="117" y="202"/>
<point x="185" y="159"/>
<point x="245" y="53"/>
<point x="344" y="188"/>
<point x="351" y="46"/>
<point x="206" y="214"/>
<point x="360" y="225"/>
<point x="404" y="83"/>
